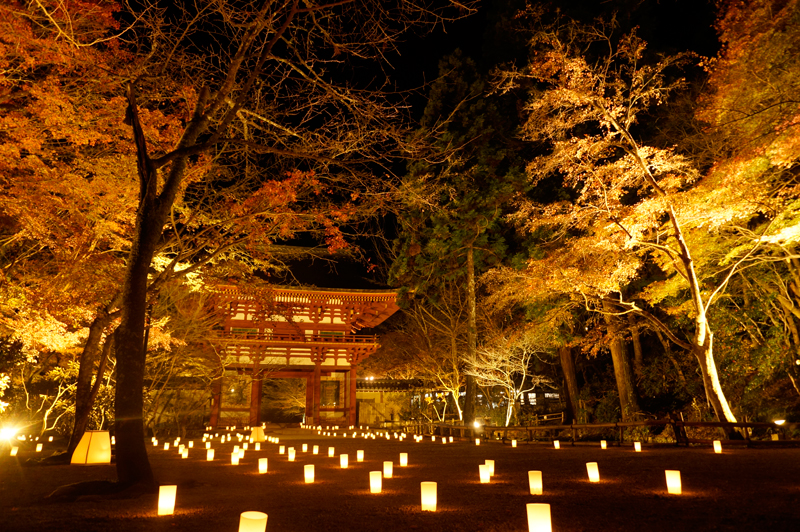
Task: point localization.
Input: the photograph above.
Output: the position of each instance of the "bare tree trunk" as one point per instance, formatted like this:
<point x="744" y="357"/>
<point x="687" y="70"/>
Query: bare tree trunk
<point x="570" y="381"/>
<point x="472" y="338"/>
<point x="638" y="358"/>
<point x="622" y="370"/>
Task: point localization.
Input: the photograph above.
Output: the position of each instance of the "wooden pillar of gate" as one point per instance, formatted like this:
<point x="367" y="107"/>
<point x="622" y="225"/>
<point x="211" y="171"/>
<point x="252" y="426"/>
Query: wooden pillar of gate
<point x="352" y="398"/>
<point x="255" y="399"/>
<point x="317" y="390"/>
<point x="216" y="399"/>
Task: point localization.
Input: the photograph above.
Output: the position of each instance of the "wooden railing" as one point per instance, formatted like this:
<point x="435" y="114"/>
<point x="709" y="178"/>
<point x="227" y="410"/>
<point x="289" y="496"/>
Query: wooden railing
<point x="288" y="337"/>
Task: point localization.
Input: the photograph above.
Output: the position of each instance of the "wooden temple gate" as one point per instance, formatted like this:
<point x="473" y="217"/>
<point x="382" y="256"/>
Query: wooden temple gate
<point x="295" y="333"/>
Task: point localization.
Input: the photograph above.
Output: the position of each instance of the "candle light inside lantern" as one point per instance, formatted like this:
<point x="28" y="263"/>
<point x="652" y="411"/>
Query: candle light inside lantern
<point x="181" y="447"/>
<point x="191" y="444"/>
<point x="343" y="461"/>
<point x="388" y="469"/>
<point x="166" y="500"/>
<point x="673" y="482"/>
<point x="428" y="492"/>
<point x="308" y="472"/>
<point x="477" y="441"/>
<point x="717" y="446"/>
<point x="258" y="446"/>
<point x="39" y="447"/>
<point x="282" y="449"/>
<point x="241" y="454"/>
<point x="208" y="445"/>
<point x="538" y="517"/>
<point x="166" y="446"/>
<point x="235" y="458"/>
<point x="594" y="473"/>
<point x="359" y="456"/>
<point x="210" y="455"/>
<point x="14" y="450"/>
<point x="185" y="453"/>
<point x="330" y="452"/>
<point x="291" y="454"/>
<point x="262" y="465"/>
<point x="245" y="445"/>
<point x="535" y="482"/>
<point x="253" y="522"/>
<point x="403" y="459"/>
<point x="603" y="444"/>
<point x="483" y="470"/>
<point x="375" y="482"/>
<point x="513" y="443"/>
<point x="450" y="439"/>
<point x="637" y="446"/>
<point x="315" y="449"/>
<point x="557" y="444"/>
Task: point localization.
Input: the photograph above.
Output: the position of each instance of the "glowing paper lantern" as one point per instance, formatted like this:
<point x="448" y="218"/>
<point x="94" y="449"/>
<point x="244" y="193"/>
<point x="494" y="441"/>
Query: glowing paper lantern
<point x="403" y="459"/>
<point x="185" y="453"/>
<point x="15" y="450"/>
<point x="155" y="443"/>
<point x="388" y="469"/>
<point x="245" y="445"/>
<point x="305" y="447"/>
<point x="557" y="444"/>
<point x="191" y="444"/>
<point x="717" y="446"/>
<point x="594" y="473"/>
<point x="330" y="452"/>
<point x="113" y="440"/>
<point x="535" y="482"/>
<point x="490" y="464"/>
<point x="513" y="443"/>
<point x="428" y="492"/>
<point x="375" y="482"/>
<point x="483" y="470"/>
<point x="262" y="465"/>
<point x="241" y="454"/>
<point x="39" y="447"/>
<point x="252" y="522"/>
<point x="235" y="458"/>
<point x="258" y="446"/>
<point x="450" y="439"/>
<point x="637" y="446"/>
<point x="282" y="449"/>
<point x="603" y="444"/>
<point x="359" y="456"/>
<point x="208" y="445"/>
<point x="315" y="449"/>
<point x="257" y="434"/>
<point x="343" y="461"/>
<point x="477" y="441"/>
<point x="538" y="517"/>
<point x="166" y="500"/>
<point x="181" y="447"/>
<point x="308" y="472"/>
<point x="94" y="448"/>
<point x="291" y="454"/>
<point x="236" y="448"/>
<point x="433" y="438"/>
<point x="673" y="482"/>
<point x="50" y="438"/>
<point x="166" y="446"/>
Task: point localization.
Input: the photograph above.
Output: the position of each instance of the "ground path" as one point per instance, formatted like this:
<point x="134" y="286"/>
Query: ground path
<point x="741" y="489"/>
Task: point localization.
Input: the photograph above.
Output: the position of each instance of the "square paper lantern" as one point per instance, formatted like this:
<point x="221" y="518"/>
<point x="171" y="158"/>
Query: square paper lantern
<point x="556" y="444"/>
<point x="252" y="522"/>
<point x="717" y="446"/>
<point x="235" y="458"/>
<point x="210" y="455"/>
<point x="403" y="459"/>
<point x="594" y="473"/>
<point x="535" y="482"/>
<point x="483" y="470"/>
<point x="673" y="482"/>
<point x="262" y="465"/>
<point x="637" y="446"/>
<point x="388" y="469"/>
<point x="291" y="454"/>
<point x="513" y="443"/>
<point x="490" y="465"/>
<point x="166" y="500"/>
<point x="308" y="473"/>
<point x="428" y="493"/>
<point x="330" y="452"/>
<point x="539" y="517"/>
<point x="208" y="445"/>
<point x="39" y="447"/>
<point x="166" y="446"/>
<point x="603" y="444"/>
<point x="15" y="450"/>
<point x="94" y="448"/>
<point x="258" y="446"/>
<point x="257" y="434"/>
<point x="282" y="449"/>
<point x="375" y="482"/>
<point x="246" y="445"/>
<point x="359" y="456"/>
<point x="477" y="441"/>
<point x="191" y="444"/>
<point x="305" y="447"/>
<point x="343" y="461"/>
<point x="185" y="453"/>
<point x="315" y="449"/>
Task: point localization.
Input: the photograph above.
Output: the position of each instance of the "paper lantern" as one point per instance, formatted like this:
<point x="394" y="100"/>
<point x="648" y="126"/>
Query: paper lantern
<point x="94" y="448"/>
<point x="557" y="444"/>
<point x="330" y="452"/>
<point x="477" y="441"/>
<point x="252" y="522"/>
<point x="603" y="444"/>
<point x="428" y="492"/>
<point x="166" y="446"/>
<point x="403" y="459"/>
<point x="113" y="440"/>
<point x="210" y="455"/>
<point x="359" y="456"/>
<point x="257" y="434"/>
<point x="315" y="449"/>
<point x="241" y="454"/>
<point x="181" y="447"/>
<point x="375" y="482"/>
<point x="166" y="500"/>
<point x="535" y="482"/>
<point x="343" y="461"/>
<point x="39" y="447"/>
<point x="637" y="446"/>
<point x="483" y="471"/>
<point x="775" y="437"/>
<point x="513" y="443"/>
<point x="673" y="482"/>
<point x="235" y="458"/>
<point x="717" y="446"/>
<point x="594" y="473"/>
<point x="539" y="517"/>
<point x="258" y="446"/>
<point x="282" y="449"/>
<point x="388" y="469"/>
<point x="291" y="454"/>
<point x="236" y="448"/>
<point x="450" y="439"/>
<point x="208" y="445"/>
<point x="490" y="464"/>
<point x="155" y="443"/>
<point x="246" y="445"/>
<point x="433" y="438"/>
<point x="308" y="473"/>
<point x="305" y="447"/>
<point x="15" y="450"/>
<point x="50" y="439"/>
<point x="185" y="453"/>
<point x="191" y="444"/>
<point x="262" y="465"/>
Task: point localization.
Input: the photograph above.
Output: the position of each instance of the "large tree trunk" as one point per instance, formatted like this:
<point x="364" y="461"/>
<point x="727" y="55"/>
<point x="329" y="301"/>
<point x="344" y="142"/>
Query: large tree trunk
<point x="472" y="339"/>
<point x="570" y="381"/>
<point x="708" y="369"/>
<point x="622" y="369"/>
<point x="638" y="357"/>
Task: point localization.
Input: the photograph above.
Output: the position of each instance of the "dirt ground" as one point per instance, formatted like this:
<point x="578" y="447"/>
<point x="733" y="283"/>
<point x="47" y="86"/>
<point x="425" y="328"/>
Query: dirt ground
<point x="741" y="489"/>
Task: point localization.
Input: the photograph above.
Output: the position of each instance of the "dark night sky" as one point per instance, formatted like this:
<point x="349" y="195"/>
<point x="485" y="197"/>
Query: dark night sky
<point x="669" y="26"/>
